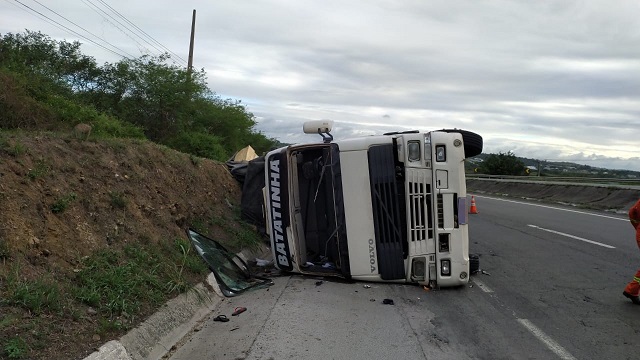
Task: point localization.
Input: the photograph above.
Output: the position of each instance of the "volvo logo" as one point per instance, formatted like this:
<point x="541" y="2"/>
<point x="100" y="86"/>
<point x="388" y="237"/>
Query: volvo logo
<point x="372" y="256"/>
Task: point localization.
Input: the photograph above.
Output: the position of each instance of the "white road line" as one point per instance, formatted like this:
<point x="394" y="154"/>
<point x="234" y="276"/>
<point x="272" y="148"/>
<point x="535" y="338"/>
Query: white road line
<point x="552" y="345"/>
<point x="555" y="208"/>
<point x="573" y="237"/>
<point x="482" y="286"/>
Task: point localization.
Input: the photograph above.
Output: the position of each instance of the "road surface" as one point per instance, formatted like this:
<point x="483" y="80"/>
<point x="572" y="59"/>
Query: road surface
<point x="551" y="289"/>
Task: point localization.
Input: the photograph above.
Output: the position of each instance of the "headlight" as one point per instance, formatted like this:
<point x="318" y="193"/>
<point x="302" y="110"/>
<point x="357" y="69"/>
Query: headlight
<point x="414" y="150"/>
<point x="418" y="268"/>
<point x="445" y="267"/>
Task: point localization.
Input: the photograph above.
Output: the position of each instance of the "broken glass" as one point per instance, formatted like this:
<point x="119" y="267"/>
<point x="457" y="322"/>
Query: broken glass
<point x="231" y="272"/>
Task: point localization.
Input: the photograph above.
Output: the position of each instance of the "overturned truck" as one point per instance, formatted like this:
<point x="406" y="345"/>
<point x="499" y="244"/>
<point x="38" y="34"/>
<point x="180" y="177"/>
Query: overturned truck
<point x="377" y="208"/>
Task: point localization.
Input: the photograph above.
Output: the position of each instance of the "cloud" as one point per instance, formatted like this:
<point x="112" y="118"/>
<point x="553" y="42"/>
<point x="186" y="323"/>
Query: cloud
<point x="552" y="79"/>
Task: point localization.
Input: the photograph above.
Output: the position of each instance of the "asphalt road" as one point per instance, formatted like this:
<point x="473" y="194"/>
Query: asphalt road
<point x="551" y="289"/>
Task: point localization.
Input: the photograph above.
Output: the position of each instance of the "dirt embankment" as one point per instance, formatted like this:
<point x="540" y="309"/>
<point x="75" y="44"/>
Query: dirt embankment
<point x="590" y="197"/>
<point x="63" y="200"/>
<point x="68" y="198"/>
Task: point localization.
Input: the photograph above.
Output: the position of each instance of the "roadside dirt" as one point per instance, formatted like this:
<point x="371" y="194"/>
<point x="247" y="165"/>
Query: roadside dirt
<point x="62" y="199"/>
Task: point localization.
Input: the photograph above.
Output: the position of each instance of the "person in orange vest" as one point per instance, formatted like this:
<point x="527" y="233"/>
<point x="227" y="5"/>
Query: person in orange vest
<point x="633" y="288"/>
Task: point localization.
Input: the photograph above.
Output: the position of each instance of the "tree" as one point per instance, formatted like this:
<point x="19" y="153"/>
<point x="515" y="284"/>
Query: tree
<point x="502" y="164"/>
<point x="35" y="54"/>
<point x="50" y="84"/>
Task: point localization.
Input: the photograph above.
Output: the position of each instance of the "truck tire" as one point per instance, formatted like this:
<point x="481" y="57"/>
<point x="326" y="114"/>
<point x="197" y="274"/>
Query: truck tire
<point x="472" y="142"/>
<point x="474" y="263"/>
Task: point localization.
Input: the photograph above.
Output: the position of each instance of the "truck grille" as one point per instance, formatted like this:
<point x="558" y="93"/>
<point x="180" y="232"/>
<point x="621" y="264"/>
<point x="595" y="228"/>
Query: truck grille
<point x="419" y="211"/>
<point x="387" y="200"/>
<point x="420" y="225"/>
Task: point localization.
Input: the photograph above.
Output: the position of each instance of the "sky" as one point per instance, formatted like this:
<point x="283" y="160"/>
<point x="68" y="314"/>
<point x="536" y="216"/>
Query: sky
<point x="550" y="80"/>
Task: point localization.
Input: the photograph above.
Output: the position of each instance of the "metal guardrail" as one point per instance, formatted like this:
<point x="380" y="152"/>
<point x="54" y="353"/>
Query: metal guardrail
<point x="633" y="184"/>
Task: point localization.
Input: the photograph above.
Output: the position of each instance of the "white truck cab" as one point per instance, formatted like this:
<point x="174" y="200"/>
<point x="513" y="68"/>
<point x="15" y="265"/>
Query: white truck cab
<point x="376" y="208"/>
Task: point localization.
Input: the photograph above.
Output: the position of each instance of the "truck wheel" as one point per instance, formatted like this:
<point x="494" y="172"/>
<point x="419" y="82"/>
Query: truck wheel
<point x="474" y="263"/>
<point x="472" y="142"/>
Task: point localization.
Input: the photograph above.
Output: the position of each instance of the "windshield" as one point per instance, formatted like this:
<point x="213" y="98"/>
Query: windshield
<point x="230" y="271"/>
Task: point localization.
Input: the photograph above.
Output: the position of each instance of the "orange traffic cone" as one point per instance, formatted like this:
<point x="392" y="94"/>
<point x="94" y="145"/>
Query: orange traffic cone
<point x="473" y="209"/>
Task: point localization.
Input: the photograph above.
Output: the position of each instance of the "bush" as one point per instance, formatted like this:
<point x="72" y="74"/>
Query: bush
<point x="199" y="144"/>
<point x="502" y="164"/>
<point x="104" y="126"/>
<point x="18" y="110"/>
<point x="69" y="112"/>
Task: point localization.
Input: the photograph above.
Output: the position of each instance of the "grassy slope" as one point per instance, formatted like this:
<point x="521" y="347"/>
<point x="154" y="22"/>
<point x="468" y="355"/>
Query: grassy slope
<point x="92" y="236"/>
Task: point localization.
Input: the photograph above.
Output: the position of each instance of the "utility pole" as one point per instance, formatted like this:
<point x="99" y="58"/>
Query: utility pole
<point x="193" y="31"/>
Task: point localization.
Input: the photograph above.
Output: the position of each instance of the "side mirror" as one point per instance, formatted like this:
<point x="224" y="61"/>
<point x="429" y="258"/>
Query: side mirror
<point x="322" y="127"/>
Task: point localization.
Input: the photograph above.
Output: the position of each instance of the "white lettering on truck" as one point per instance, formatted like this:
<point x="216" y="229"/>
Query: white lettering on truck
<point x="372" y="256"/>
<point x="276" y="215"/>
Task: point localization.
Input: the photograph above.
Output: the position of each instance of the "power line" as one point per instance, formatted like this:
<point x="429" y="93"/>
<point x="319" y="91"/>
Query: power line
<point x="125" y="27"/>
<point x="142" y="31"/>
<point x="105" y="16"/>
<point x="70" y="30"/>
<point x="80" y="27"/>
<point x="36" y="15"/>
<point x="98" y="10"/>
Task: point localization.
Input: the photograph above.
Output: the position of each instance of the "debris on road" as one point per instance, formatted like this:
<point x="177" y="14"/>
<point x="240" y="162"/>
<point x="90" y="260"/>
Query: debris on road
<point x="239" y="310"/>
<point x="387" y="302"/>
<point x="221" y="318"/>
<point x="480" y="271"/>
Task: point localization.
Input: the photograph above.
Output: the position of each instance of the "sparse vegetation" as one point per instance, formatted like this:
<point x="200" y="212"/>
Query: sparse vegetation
<point x="62" y="203"/>
<point x="195" y="160"/>
<point x="15" y="149"/>
<point x="118" y="200"/>
<point x="40" y="170"/>
<point x="248" y="237"/>
<point x="118" y="283"/>
<point x="244" y="234"/>
<point x="36" y="296"/>
<point x="200" y="225"/>
<point x="4" y="250"/>
<point x="16" y="348"/>
<point x="190" y="260"/>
